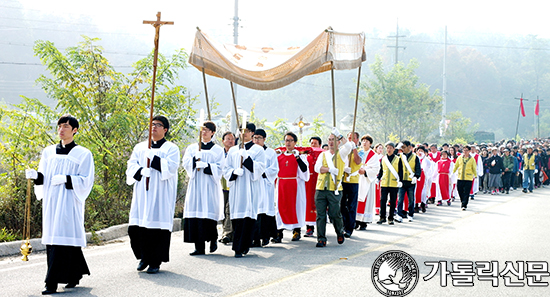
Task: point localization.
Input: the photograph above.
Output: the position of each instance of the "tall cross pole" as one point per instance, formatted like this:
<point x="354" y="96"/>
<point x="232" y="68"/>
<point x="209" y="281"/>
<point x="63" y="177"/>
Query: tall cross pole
<point x="157" y="25"/>
<point x="519" y="111"/>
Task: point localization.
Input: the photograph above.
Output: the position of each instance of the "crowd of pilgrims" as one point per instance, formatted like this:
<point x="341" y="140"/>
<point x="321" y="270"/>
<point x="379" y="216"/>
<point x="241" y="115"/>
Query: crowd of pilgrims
<point x="256" y="192"/>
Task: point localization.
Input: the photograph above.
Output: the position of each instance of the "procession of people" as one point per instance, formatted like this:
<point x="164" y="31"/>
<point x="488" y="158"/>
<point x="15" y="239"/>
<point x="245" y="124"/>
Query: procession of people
<point x="256" y="192"/>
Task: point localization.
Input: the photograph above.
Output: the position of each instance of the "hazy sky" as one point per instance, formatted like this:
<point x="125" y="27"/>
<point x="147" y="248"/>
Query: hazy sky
<point x="285" y="22"/>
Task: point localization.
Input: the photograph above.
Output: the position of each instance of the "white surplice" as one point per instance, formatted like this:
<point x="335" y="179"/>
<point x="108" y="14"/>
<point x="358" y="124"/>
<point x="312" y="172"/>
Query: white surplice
<point x="154" y="208"/>
<point x="204" y="197"/>
<point x="267" y="203"/>
<point x="367" y="186"/>
<point x="245" y="190"/>
<point x="63" y="209"/>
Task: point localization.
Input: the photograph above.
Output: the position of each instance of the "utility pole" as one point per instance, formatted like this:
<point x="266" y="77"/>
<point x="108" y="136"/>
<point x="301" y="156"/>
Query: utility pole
<point x="234" y="114"/>
<point x="444" y="103"/>
<point x="397" y="47"/>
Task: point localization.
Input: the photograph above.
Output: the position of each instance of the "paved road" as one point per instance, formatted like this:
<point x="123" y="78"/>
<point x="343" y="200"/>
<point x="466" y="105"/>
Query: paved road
<point x="499" y="228"/>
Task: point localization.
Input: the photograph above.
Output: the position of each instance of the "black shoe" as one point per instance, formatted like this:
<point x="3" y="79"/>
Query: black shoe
<point x="71" y="285"/>
<point x="195" y="253"/>
<point x="213" y="246"/>
<point x="423" y="207"/>
<point x="276" y="240"/>
<point x="48" y="292"/>
<point x="142" y="265"/>
<point x="256" y="243"/>
<point x="507" y="191"/>
<point x="524" y="190"/>
<point x="225" y="240"/>
<point x="341" y="238"/>
<point x="321" y="243"/>
<point x="265" y="242"/>
<point x="347" y="234"/>
<point x="50" y="289"/>
<point x="363" y="227"/>
<point x="238" y="255"/>
<point x="153" y="270"/>
<point x="296" y="236"/>
<point x="381" y="221"/>
<point x="390" y="222"/>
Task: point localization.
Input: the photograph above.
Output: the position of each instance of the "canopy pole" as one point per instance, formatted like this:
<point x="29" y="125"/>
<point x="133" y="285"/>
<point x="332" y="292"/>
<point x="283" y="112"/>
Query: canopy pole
<point x="333" y="96"/>
<point x="356" y="101"/>
<point x="206" y="94"/>
<point x="236" y="112"/>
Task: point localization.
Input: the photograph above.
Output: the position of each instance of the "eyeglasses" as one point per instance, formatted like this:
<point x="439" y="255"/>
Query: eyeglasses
<point x="157" y="125"/>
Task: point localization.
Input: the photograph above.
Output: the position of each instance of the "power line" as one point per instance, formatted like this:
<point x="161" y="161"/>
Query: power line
<point x="465" y="44"/>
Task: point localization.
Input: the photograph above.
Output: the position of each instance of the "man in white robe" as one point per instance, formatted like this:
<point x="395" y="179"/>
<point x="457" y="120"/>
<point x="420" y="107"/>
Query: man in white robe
<point x="479" y="165"/>
<point x="291" y="189"/>
<point x="154" y="196"/>
<point x="425" y="182"/>
<point x="64" y="180"/>
<point x="204" y="199"/>
<point x="243" y="171"/>
<point x="367" y="185"/>
<point x="266" y="225"/>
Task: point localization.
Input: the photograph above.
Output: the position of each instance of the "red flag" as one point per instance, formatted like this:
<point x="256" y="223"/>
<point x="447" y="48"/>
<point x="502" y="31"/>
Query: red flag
<point x="537" y="108"/>
<point x="521" y="106"/>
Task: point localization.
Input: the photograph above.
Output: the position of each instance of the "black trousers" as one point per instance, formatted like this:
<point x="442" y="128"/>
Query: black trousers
<point x="199" y="230"/>
<point x="152" y="246"/>
<point x="348" y="205"/>
<point x="265" y="227"/>
<point x="392" y="192"/>
<point x="66" y="264"/>
<point x="507" y="180"/>
<point x="242" y="234"/>
<point x="463" y="187"/>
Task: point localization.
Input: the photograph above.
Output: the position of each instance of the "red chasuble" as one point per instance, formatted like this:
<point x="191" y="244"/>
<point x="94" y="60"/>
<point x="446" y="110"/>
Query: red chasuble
<point x="443" y="168"/>
<point x="434" y="159"/>
<point x="287" y="188"/>
<point x="420" y="184"/>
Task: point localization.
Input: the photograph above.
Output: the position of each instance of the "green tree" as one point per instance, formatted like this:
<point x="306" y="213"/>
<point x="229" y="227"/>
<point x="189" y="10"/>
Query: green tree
<point x="276" y="134"/>
<point x="459" y="129"/>
<point x="395" y="103"/>
<point x="113" y="109"/>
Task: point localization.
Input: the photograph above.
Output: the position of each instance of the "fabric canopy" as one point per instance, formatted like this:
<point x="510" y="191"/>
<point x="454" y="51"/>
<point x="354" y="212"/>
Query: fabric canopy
<point x="266" y="68"/>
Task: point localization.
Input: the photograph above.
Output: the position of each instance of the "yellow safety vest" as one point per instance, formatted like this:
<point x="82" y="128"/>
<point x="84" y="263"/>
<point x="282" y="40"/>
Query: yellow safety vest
<point x="529" y="162"/>
<point x="354" y="167"/>
<point x="412" y="163"/>
<point x="323" y="177"/>
<point x="388" y="179"/>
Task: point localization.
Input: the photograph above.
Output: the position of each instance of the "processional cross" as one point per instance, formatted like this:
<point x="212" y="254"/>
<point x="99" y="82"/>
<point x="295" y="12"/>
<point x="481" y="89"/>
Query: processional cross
<point x="157" y="25"/>
<point x="301" y="124"/>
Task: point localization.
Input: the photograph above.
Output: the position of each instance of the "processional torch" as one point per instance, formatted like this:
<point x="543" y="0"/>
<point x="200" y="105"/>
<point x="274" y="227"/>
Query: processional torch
<point x="26" y="248"/>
